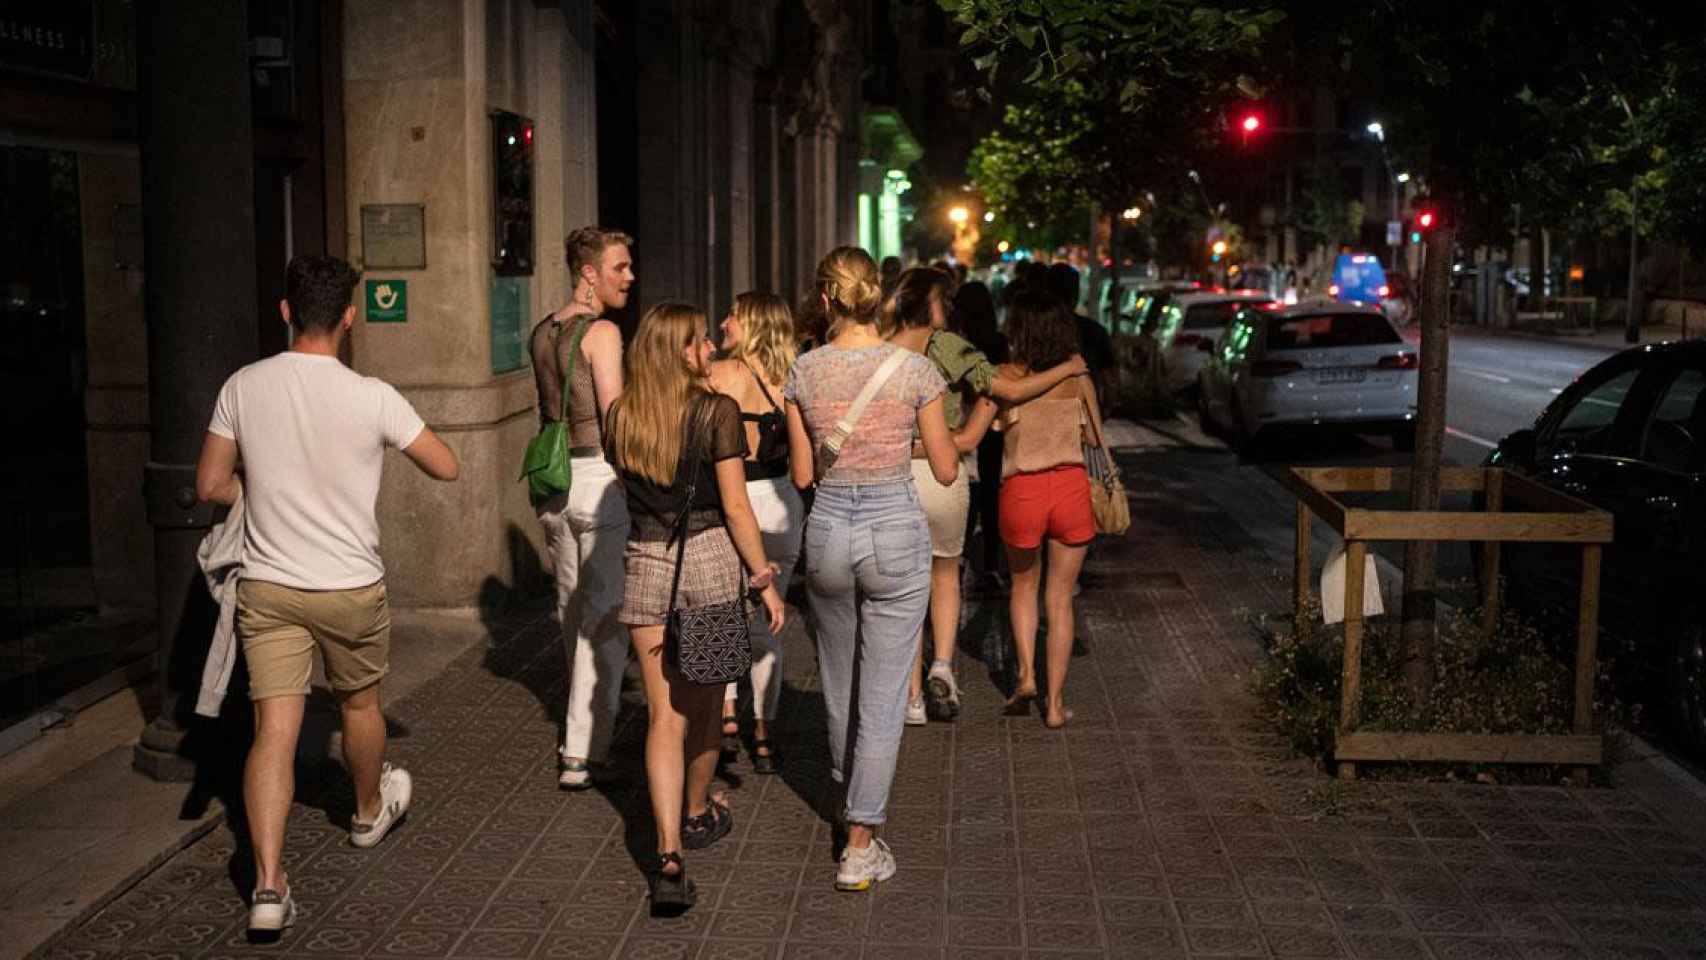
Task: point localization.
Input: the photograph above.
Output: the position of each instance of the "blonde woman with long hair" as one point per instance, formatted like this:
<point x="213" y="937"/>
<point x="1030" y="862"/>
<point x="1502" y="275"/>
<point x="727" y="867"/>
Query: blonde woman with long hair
<point x="758" y="345"/>
<point x="667" y="410"/>
<point x="867" y="542"/>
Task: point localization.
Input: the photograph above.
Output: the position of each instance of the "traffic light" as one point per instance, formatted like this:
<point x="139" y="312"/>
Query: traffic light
<point x="1218" y="249"/>
<point x="1251" y="122"/>
<point x="1425" y="219"/>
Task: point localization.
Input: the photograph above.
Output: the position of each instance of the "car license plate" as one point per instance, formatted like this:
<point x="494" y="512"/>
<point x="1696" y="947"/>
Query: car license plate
<point x="1341" y="375"/>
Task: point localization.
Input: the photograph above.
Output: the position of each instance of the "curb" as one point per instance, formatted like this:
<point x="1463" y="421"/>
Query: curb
<point x="214" y="817"/>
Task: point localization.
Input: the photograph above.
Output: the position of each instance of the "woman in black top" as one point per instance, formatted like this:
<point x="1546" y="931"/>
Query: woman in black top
<point x="758" y="347"/>
<point x="668" y="432"/>
<point x="974" y="308"/>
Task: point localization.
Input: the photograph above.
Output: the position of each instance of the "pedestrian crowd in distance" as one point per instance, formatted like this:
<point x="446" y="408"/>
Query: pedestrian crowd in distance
<point x="680" y="485"/>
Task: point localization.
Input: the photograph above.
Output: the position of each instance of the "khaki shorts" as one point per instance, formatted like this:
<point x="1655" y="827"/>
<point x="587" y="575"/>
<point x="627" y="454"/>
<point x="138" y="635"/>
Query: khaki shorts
<point x="280" y="627"/>
<point x="945" y="508"/>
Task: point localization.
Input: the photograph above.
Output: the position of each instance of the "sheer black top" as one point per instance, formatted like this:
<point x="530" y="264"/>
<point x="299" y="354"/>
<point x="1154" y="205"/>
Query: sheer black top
<point x="712" y="427"/>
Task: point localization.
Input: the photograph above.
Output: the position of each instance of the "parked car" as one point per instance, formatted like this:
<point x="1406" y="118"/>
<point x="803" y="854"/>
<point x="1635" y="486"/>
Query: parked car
<point x="1138" y="302"/>
<point x="1189" y="324"/>
<point x="1310" y="365"/>
<point x="1629" y="436"/>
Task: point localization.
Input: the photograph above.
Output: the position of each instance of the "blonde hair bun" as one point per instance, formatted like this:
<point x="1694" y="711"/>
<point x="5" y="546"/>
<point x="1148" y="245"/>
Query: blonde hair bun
<point x="848" y="278"/>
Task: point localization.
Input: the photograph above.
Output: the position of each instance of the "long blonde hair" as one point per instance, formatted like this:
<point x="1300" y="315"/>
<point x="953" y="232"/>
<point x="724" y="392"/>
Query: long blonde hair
<point x="643" y="428"/>
<point x="847" y="278"/>
<point x="767" y="334"/>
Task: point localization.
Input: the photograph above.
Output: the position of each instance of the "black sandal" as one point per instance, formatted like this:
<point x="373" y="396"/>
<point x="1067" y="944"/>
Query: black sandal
<point x="714" y="824"/>
<point x="673" y="894"/>
<point x="763" y="762"/>
<point x="731" y="737"/>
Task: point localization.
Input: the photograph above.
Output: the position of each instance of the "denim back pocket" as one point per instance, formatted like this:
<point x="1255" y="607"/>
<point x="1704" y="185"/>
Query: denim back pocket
<point x="901" y="547"/>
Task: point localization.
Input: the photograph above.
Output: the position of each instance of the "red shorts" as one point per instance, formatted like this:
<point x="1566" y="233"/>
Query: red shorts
<point x="1050" y="503"/>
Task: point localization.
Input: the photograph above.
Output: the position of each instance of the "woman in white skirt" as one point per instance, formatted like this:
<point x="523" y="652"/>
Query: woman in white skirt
<point x="759" y="347"/>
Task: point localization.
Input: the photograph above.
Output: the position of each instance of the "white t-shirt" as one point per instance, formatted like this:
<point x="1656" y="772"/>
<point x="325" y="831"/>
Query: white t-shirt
<point x="312" y="435"/>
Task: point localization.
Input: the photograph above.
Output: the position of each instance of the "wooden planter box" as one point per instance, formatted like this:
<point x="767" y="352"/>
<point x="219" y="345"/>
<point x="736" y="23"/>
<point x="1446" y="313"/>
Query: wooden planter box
<point x="1548" y="517"/>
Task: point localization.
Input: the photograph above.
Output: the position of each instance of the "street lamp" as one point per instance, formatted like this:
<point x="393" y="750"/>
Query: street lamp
<point x="1131" y="213"/>
<point x="1404" y="177"/>
<point x="989" y="216"/>
<point x="1377" y="131"/>
<point x="959" y="215"/>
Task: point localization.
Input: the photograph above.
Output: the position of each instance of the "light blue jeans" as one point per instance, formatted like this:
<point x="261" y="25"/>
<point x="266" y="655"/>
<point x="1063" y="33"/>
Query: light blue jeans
<point x="868" y="576"/>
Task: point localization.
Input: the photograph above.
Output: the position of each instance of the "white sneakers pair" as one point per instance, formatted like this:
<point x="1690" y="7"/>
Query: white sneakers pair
<point x="271" y="911"/>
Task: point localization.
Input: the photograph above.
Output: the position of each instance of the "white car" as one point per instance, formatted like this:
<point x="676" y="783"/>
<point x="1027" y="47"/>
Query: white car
<point x="1311" y="365"/>
<point x="1188" y="325"/>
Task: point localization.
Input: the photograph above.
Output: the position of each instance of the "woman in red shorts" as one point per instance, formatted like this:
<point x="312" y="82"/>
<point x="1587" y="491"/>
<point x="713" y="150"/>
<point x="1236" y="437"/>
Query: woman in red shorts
<point x="1045" y="493"/>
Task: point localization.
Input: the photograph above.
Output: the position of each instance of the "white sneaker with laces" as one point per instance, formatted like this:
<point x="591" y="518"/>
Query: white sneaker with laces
<point x="396" y="789"/>
<point x="915" y="715"/>
<point x="269" y="913"/>
<point x="860" y="869"/>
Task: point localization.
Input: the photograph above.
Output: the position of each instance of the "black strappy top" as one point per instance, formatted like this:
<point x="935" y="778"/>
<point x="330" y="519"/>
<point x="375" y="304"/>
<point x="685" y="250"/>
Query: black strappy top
<point x="771" y="457"/>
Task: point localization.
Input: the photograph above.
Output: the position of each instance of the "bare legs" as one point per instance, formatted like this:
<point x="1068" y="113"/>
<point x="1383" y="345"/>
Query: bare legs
<point x="944" y="625"/>
<point x="682" y="740"/>
<point x="364" y="748"/>
<point x="1064" y="563"/>
<point x="269" y="772"/>
<point x="269" y="781"/>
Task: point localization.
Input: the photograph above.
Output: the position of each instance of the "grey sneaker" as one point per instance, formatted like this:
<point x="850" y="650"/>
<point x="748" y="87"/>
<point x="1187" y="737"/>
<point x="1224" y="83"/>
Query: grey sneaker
<point x="860" y="869"/>
<point x="915" y="716"/>
<point x="396" y="789"/>
<point x="269" y="913"/>
<point x="944" y="692"/>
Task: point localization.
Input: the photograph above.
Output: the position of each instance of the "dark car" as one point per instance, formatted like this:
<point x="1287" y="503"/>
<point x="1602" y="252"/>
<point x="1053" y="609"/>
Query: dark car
<point x="1629" y="436"/>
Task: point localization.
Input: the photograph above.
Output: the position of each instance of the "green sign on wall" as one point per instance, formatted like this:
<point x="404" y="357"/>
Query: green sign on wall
<point x="509" y="323"/>
<point x="387" y="301"/>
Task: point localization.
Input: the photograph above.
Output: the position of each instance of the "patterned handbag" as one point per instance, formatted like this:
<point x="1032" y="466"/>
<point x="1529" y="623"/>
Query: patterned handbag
<point x="1108" y="502"/>
<point x="707" y="644"/>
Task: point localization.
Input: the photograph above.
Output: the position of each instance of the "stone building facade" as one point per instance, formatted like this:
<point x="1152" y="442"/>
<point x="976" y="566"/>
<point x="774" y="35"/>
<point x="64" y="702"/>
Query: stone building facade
<point x="723" y="134"/>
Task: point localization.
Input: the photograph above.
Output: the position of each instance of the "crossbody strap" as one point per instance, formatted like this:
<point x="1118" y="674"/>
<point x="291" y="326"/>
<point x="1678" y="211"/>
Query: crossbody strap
<point x="844" y="427"/>
<point x="690" y="455"/>
<point x="581" y="326"/>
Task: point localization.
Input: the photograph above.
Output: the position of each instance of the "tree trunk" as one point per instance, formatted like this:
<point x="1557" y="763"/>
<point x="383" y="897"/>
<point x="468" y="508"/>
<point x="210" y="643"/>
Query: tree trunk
<point x="1418" y="636"/>
<point x="1113" y="270"/>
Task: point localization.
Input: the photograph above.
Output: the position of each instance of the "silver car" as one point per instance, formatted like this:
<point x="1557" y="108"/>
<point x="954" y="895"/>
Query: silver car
<point x="1311" y="365"/>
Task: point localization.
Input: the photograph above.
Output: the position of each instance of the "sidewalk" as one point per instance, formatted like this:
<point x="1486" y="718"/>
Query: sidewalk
<point x="78" y="825"/>
<point x="1163" y="822"/>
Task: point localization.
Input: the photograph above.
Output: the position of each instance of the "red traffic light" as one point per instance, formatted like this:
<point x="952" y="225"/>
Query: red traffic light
<point x="1251" y="123"/>
<point x="1425" y="220"/>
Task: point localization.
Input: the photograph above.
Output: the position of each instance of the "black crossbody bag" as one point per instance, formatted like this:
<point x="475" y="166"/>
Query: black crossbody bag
<point x="707" y="644"/>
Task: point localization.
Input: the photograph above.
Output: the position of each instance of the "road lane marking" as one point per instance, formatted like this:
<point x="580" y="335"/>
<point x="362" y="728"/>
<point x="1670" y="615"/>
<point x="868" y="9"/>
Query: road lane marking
<point x="1478" y="441"/>
<point x="1485" y="375"/>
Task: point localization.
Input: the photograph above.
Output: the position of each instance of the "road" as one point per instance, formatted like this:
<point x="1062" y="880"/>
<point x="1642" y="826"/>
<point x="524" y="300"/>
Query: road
<point x="1500" y="383"/>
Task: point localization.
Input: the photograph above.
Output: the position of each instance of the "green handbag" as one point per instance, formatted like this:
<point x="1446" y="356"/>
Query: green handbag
<point x="545" y="465"/>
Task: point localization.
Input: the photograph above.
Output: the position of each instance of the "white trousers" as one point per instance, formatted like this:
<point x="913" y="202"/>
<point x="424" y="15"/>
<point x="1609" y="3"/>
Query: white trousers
<point x="585" y="533"/>
<point x="781" y="516"/>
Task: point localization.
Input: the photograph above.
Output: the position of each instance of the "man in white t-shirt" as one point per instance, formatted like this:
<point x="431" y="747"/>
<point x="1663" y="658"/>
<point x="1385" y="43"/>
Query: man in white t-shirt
<point x="311" y="434"/>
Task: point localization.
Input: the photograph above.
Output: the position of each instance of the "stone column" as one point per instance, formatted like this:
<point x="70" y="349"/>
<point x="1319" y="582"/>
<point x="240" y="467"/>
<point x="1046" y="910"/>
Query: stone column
<point x="674" y="207"/>
<point x="197" y="184"/>
<point x="766" y="188"/>
<point x="580" y="127"/>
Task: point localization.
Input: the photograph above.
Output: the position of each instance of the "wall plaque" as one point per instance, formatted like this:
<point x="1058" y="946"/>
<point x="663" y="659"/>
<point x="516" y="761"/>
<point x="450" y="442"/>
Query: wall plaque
<point x="393" y="236"/>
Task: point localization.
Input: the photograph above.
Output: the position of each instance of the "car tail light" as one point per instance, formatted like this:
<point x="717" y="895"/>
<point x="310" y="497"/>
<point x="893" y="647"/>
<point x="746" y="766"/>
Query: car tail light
<point x="1333" y="290"/>
<point x="1274" y="368"/>
<point x="1397" y="361"/>
<point x="1385" y="291"/>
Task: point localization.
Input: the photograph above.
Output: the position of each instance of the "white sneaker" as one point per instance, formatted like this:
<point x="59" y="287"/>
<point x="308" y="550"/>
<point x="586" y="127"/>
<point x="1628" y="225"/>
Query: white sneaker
<point x="861" y="868"/>
<point x="944" y="691"/>
<point x="269" y="913"/>
<point x="915" y="716"/>
<point x="396" y="789"/>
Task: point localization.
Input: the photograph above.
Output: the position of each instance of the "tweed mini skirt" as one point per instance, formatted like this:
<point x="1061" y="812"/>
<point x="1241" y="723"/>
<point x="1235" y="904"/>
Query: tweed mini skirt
<point x="711" y="572"/>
